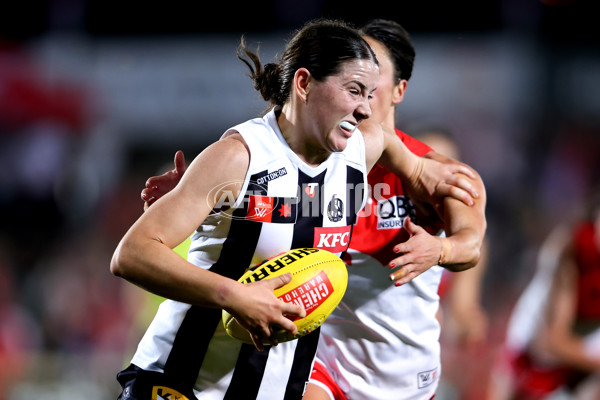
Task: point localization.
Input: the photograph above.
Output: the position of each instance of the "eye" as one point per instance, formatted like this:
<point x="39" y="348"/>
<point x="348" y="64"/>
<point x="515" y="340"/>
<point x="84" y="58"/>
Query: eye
<point x="355" y="92"/>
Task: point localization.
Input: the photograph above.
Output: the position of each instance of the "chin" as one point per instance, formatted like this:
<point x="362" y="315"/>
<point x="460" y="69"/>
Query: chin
<point x="338" y="147"/>
<point x="338" y="143"/>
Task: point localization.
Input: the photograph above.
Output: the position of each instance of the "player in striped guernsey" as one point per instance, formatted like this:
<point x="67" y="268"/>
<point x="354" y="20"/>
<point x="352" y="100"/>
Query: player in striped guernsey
<point x="273" y="168"/>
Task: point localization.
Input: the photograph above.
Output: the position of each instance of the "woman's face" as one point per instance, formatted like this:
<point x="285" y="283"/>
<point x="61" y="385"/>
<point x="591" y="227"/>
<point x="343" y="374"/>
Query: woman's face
<point x="383" y="99"/>
<point x="339" y="103"/>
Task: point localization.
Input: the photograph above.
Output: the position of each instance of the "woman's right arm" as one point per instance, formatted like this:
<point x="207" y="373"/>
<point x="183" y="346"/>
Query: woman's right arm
<point x="145" y="257"/>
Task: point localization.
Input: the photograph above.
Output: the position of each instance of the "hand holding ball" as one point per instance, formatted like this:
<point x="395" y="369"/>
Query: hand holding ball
<point x="319" y="281"/>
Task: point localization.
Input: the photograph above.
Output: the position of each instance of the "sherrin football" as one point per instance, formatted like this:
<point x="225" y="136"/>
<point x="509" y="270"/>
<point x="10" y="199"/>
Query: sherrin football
<point x="319" y="281"/>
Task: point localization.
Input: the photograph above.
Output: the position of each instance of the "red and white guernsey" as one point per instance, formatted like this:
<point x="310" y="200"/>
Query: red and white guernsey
<point x="382" y="341"/>
<point x="540" y="376"/>
<point x="284" y="204"/>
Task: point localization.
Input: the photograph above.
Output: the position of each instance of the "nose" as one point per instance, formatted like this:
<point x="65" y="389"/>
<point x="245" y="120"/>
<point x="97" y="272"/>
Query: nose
<point x="363" y="111"/>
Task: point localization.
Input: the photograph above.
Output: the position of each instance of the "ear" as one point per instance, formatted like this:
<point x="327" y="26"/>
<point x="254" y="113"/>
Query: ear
<point x="399" y="91"/>
<point x="302" y="80"/>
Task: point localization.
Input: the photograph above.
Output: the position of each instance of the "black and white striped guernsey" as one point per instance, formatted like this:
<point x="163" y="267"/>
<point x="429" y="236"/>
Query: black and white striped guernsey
<point x="284" y="204"/>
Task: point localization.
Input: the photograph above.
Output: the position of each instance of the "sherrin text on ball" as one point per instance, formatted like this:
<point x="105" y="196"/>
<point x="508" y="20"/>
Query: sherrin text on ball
<point x="319" y="281"/>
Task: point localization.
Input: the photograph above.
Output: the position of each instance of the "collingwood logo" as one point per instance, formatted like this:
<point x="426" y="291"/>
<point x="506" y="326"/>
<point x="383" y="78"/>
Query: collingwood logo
<point x="335" y="209"/>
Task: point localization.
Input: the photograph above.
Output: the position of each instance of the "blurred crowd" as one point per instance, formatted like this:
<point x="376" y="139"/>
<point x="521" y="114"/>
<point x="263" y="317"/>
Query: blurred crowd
<point x="64" y="320"/>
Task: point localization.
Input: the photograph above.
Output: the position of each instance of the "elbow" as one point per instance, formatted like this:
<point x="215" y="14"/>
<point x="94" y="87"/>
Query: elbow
<point x="116" y="264"/>
<point x="473" y="255"/>
<point x="473" y="247"/>
<point x="467" y="258"/>
<point x="473" y="260"/>
<point x="461" y="266"/>
<point x="120" y="261"/>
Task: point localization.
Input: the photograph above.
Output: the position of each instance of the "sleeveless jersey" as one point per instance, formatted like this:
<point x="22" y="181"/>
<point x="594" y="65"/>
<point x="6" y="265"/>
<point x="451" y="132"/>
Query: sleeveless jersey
<point x="528" y="313"/>
<point x="538" y="377"/>
<point x="284" y="204"/>
<point x="382" y="341"/>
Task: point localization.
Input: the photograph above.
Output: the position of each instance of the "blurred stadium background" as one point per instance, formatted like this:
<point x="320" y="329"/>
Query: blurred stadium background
<point x="97" y="95"/>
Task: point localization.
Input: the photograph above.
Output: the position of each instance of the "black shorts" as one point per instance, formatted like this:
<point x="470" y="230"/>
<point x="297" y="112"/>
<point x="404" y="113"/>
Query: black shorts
<point x="139" y="384"/>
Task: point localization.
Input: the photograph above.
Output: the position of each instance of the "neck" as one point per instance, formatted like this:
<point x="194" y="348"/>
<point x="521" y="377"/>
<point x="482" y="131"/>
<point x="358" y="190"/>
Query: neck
<point x="389" y="122"/>
<point x="295" y="136"/>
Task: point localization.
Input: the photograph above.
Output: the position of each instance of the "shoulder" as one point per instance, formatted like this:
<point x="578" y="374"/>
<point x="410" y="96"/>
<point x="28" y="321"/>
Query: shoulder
<point x="227" y="158"/>
<point x="233" y="149"/>
<point x="414" y="145"/>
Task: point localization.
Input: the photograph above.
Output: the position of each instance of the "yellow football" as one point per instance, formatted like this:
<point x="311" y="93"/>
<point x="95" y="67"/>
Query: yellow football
<point x="319" y="281"/>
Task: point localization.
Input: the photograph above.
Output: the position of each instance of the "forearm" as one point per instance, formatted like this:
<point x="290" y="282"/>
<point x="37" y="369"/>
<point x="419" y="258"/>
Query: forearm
<point x="153" y="266"/>
<point x="570" y="350"/>
<point x="398" y="159"/>
<point x="466" y="286"/>
<point x="465" y="228"/>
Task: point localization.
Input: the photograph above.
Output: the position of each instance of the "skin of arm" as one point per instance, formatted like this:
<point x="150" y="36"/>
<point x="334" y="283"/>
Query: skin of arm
<point x="144" y="256"/>
<point x="465" y="229"/>
<point x="431" y="180"/>
<point x="557" y="337"/>
<point x="468" y="318"/>
<point x="464" y="220"/>
<point x="427" y="181"/>
<point x="425" y="173"/>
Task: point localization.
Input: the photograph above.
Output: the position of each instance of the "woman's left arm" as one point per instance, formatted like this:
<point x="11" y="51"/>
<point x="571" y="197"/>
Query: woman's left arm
<point x="427" y="179"/>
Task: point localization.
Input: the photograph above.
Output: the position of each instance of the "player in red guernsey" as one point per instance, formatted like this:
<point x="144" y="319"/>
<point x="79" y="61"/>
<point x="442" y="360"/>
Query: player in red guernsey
<point x="389" y="222"/>
<point x="382" y="342"/>
<point x="553" y="339"/>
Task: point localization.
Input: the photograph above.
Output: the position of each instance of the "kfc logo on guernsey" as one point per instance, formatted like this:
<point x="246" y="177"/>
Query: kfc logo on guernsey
<point x="311" y="294"/>
<point x="392" y="211"/>
<point x="334" y="239"/>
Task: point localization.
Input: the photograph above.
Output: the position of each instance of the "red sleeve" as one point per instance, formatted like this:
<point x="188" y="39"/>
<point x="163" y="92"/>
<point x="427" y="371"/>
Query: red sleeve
<point x="417" y="147"/>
